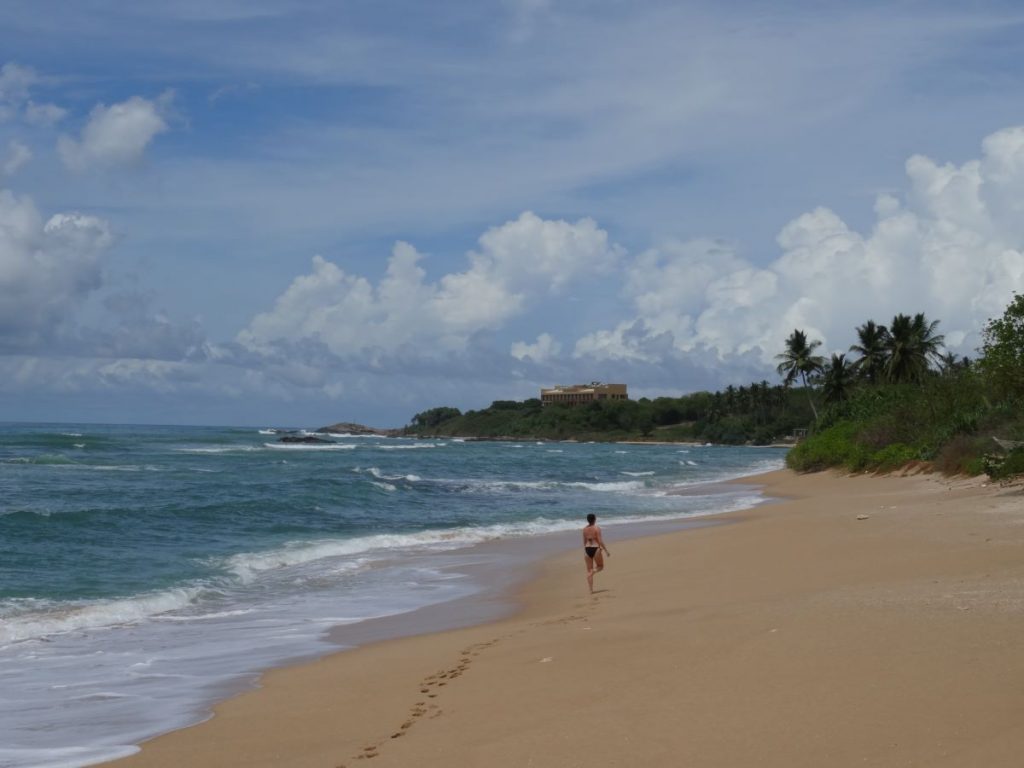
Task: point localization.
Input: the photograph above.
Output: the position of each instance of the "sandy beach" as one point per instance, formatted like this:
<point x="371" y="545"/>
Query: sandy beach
<point x="859" y="621"/>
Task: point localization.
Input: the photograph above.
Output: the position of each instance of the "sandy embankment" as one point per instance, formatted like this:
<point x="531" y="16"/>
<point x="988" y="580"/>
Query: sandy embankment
<point x="800" y="637"/>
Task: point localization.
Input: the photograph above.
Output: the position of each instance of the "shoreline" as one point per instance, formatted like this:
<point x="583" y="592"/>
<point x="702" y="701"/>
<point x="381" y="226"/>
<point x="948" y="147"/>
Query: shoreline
<point x="883" y="618"/>
<point x="397" y="525"/>
<point x="499" y="568"/>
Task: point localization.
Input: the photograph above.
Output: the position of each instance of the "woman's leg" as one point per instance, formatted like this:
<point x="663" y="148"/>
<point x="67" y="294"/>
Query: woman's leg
<point x="590" y="571"/>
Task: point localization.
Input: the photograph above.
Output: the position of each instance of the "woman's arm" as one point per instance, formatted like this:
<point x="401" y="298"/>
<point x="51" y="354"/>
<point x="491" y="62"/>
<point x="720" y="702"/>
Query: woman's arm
<point x="600" y="542"/>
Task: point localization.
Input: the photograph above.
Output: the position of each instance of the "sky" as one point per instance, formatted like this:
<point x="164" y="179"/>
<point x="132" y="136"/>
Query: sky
<point x="271" y="213"/>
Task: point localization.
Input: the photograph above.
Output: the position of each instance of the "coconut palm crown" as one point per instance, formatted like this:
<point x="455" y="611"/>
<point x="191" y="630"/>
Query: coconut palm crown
<point x="799" y="360"/>
<point x="837" y="379"/>
<point x="872" y="342"/>
<point x="911" y="347"/>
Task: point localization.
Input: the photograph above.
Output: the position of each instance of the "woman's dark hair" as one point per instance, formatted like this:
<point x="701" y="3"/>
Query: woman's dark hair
<point x="591" y="518"/>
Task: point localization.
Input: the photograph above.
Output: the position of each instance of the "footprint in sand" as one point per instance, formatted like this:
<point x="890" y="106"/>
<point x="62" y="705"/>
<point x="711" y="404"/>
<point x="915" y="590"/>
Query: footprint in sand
<point x="437" y="679"/>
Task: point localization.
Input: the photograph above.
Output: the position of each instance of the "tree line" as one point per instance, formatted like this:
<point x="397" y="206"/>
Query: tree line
<point x="903" y="352"/>
<point x="903" y="397"/>
<point x="896" y="396"/>
<point x="758" y="413"/>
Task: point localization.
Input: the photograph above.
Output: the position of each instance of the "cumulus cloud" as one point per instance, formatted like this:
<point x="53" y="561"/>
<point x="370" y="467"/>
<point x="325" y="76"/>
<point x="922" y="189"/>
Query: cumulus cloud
<point x="516" y="263"/>
<point x="543" y="349"/>
<point x="17" y="156"/>
<point x="24" y="373"/>
<point x="157" y="375"/>
<point x="15" y="81"/>
<point x="688" y="314"/>
<point x="951" y="245"/>
<point x="116" y="135"/>
<point x="46" y="269"/>
<point x="953" y="248"/>
<point x="44" y="114"/>
<point x="532" y="252"/>
<point x="141" y="332"/>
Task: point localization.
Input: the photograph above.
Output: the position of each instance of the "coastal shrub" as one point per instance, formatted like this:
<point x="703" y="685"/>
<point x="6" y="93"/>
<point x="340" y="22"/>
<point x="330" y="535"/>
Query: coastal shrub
<point x="1003" y="351"/>
<point x="1014" y="464"/>
<point x="435" y="416"/>
<point x="1005" y="420"/>
<point x="506" y="405"/>
<point x="759" y="413"/>
<point x="893" y="457"/>
<point x="677" y="433"/>
<point x="836" y="446"/>
<point x="962" y="456"/>
<point x="889" y="429"/>
<point x="1005" y="466"/>
<point x="974" y="467"/>
<point x="730" y="430"/>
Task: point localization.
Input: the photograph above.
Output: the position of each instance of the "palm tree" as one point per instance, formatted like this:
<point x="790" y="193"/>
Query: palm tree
<point x="949" y="364"/>
<point x="872" y="350"/>
<point x="799" y="360"/>
<point x="837" y="379"/>
<point x="911" y="347"/>
<point x="928" y="341"/>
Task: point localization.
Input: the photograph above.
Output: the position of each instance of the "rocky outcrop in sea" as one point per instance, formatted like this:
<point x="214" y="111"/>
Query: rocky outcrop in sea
<point x="349" y="428"/>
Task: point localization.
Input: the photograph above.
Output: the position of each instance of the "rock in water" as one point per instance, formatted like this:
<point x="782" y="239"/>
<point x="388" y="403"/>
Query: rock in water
<point x="348" y="428"/>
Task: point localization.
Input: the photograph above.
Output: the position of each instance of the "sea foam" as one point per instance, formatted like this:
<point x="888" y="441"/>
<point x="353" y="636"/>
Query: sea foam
<point x="61" y="618"/>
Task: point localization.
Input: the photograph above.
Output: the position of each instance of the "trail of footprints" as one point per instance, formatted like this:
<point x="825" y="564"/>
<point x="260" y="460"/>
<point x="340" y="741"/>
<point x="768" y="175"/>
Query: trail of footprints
<point x="429" y="688"/>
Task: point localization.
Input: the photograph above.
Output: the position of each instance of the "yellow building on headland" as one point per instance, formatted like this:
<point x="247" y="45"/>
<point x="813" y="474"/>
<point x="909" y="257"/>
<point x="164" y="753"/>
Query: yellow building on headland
<point x="574" y="394"/>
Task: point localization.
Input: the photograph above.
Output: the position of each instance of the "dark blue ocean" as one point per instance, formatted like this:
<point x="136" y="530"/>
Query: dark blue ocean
<point x="144" y="570"/>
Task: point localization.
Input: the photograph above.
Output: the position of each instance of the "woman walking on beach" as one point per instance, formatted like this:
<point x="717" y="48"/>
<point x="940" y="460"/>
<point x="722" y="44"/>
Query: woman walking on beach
<point x="593" y="544"/>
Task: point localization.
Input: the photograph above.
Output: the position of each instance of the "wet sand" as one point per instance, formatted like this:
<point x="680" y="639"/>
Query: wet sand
<point x="802" y="636"/>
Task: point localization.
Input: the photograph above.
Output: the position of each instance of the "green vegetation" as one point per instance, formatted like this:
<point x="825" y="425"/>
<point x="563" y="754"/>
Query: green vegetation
<point x="901" y="401"/>
<point x="904" y="401"/>
<point x="759" y="414"/>
<point x="799" y="360"/>
<point x="1003" y="467"/>
<point x="1003" y="351"/>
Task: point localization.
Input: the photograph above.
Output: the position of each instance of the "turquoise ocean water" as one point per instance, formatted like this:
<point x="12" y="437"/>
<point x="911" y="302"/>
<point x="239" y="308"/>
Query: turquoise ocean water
<point x="145" y="570"/>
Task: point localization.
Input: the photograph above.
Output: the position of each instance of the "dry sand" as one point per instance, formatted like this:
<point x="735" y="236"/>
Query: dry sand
<point x="801" y="636"/>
